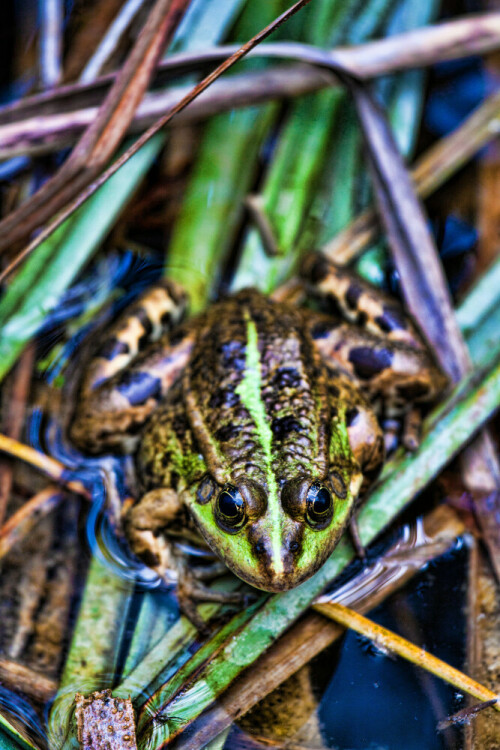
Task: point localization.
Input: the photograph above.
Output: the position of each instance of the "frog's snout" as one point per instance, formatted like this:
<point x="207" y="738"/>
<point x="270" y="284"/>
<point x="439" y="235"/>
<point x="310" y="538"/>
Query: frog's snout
<point x="275" y="565"/>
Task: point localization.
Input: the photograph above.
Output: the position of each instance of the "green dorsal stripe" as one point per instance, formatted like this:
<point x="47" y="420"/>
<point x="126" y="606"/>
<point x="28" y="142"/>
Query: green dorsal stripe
<point x="249" y="391"/>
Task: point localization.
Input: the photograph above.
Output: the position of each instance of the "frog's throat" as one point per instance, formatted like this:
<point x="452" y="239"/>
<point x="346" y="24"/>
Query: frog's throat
<point x="249" y="391"/>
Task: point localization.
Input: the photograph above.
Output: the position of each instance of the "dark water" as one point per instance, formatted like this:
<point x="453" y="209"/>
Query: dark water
<point x="375" y="701"/>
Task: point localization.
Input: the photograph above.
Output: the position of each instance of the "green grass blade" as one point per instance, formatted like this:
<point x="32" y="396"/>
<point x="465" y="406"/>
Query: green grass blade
<point x="11" y="739"/>
<point x="224" y="173"/>
<point x="53" y="266"/>
<point x="91" y="661"/>
<point x="213" y="204"/>
<point x="298" y="186"/>
<point x="204" y="23"/>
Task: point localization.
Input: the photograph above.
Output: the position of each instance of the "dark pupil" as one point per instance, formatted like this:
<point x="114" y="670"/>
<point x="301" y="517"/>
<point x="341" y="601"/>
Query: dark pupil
<point x="228" y="505"/>
<point x="322" y="501"/>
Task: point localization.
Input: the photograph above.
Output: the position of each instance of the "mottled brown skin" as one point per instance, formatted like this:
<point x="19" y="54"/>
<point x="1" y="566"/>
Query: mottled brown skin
<point x="260" y="400"/>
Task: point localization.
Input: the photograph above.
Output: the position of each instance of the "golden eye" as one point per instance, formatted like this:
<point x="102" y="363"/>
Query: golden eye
<point x="319" y="506"/>
<point x="230" y="512"/>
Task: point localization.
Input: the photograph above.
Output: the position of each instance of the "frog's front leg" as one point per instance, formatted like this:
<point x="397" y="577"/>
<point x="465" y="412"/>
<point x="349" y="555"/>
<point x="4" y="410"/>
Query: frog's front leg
<point x="124" y="381"/>
<point x="147" y="526"/>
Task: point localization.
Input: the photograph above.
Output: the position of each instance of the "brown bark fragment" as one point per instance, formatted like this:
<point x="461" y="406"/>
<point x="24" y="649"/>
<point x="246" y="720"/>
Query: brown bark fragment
<point x="105" y="722"/>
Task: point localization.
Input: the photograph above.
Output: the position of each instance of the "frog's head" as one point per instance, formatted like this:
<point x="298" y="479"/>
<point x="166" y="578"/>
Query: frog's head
<point x="275" y="535"/>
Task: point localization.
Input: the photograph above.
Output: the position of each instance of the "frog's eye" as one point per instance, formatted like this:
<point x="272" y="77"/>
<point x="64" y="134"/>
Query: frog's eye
<point x="230" y="509"/>
<point x="319" y="506"/>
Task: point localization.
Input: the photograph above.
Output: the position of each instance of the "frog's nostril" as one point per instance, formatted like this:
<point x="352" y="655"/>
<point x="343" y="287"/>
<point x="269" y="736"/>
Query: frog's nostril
<point x="260" y="548"/>
<point x="293" y="546"/>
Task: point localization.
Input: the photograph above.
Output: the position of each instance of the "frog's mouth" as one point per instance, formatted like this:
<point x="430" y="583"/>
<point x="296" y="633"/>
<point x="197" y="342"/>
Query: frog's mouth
<point x="275" y="581"/>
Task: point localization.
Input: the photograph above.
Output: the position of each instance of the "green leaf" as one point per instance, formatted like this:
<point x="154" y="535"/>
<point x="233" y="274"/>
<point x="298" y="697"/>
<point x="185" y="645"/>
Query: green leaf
<point x="53" y="266"/>
<point x="11" y="739"/>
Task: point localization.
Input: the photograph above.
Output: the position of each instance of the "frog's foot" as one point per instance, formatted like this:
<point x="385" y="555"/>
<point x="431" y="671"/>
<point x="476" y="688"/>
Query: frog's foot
<point x="191" y="592"/>
<point x="209" y="572"/>
<point x="403" y="429"/>
<point x="412" y="427"/>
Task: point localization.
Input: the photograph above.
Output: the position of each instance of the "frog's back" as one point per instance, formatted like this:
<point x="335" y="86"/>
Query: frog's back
<point x="255" y="391"/>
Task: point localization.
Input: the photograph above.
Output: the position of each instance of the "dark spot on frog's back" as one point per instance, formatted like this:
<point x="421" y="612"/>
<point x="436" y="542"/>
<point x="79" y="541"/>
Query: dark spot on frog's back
<point x="351" y="415"/>
<point x="333" y="391"/>
<point x="322" y="328"/>
<point x="368" y="362"/>
<point x="282" y="427"/>
<point x="180" y="425"/>
<point x="315" y="267"/>
<point x="352" y="295"/>
<point x="223" y="397"/>
<point x="412" y="391"/>
<point x="286" y="377"/>
<point x="226" y="432"/>
<point x="233" y="355"/>
<point x="137" y="387"/>
<point x="166" y="319"/>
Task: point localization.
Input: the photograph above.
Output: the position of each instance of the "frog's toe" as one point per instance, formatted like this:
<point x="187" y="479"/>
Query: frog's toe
<point x="209" y="572"/>
<point x="190" y="592"/>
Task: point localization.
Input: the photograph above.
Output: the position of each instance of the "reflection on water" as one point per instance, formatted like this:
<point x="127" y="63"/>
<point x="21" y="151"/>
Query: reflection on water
<point x="22" y="716"/>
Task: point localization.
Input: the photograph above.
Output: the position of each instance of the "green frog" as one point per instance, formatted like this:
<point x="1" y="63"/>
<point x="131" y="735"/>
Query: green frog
<point x="254" y="424"/>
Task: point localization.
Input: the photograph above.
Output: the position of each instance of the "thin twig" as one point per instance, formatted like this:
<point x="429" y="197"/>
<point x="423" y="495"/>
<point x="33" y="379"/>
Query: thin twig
<point x="32" y="683"/>
<point x="47" y="465"/>
<point x="389" y="641"/>
<point x="465" y="715"/>
<point x="110" y="40"/>
<point x="158" y="125"/>
<point x="103" y="135"/>
<point x="430" y="171"/>
<point x="51" y="42"/>
<point x="42" y="133"/>
<point x="16" y="395"/>
<point x="86" y="37"/>
<point x="21" y="522"/>
<point x="429" y="45"/>
<point x="472" y="634"/>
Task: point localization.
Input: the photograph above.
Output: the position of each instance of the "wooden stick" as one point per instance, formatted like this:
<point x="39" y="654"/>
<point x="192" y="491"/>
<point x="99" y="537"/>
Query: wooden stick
<point x="390" y="641"/>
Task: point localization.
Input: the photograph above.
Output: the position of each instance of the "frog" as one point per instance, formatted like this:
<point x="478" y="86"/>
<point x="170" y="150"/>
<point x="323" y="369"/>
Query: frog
<point x="255" y="426"/>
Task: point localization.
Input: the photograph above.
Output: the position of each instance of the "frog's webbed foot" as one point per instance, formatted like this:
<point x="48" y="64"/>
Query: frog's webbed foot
<point x="191" y="592"/>
<point x="412" y="427"/>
